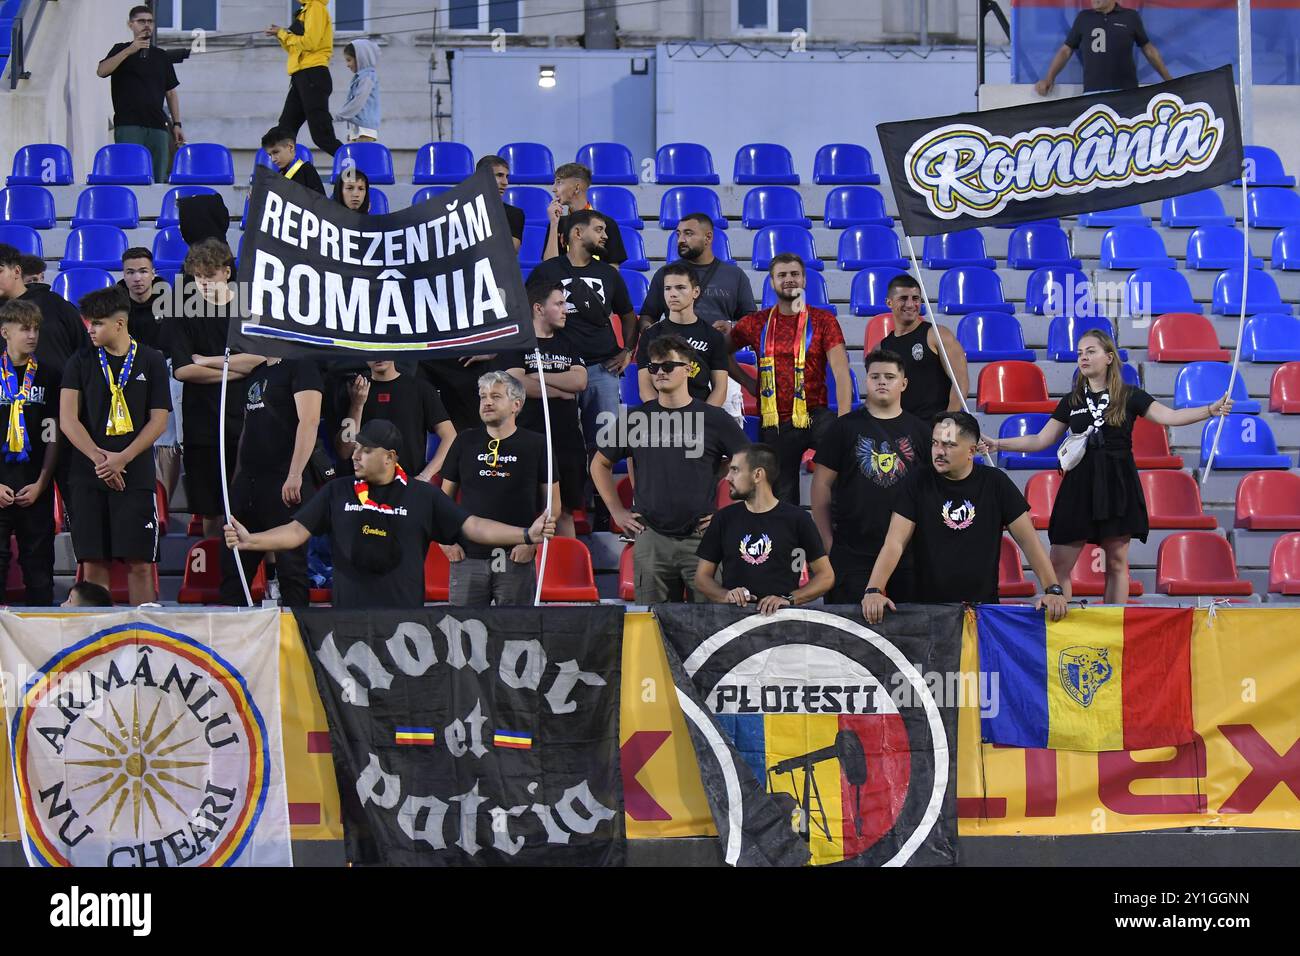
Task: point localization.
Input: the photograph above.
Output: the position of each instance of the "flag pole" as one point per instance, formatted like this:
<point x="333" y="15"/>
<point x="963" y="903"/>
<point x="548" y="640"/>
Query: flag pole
<point x="943" y="350"/>
<point x="550" y="469"/>
<point x="225" y="483"/>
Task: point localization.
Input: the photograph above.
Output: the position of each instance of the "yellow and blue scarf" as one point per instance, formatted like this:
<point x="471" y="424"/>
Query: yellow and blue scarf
<point x="119" y="416"/>
<point x="16" y="441"/>
<point x="767" y="372"/>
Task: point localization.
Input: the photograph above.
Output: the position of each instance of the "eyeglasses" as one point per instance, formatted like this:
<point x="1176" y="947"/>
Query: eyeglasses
<point x="655" y="367"/>
<point x="494" y="444"/>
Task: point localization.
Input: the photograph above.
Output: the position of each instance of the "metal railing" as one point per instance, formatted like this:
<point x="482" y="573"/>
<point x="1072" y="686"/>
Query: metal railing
<point x="985" y="8"/>
<point x="30" y="11"/>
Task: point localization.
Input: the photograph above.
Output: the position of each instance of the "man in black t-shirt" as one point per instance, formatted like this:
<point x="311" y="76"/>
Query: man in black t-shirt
<point x="34" y="271"/>
<point x="953" y="515"/>
<point x="114" y="404"/>
<point x="380" y="525"/>
<point x="141" y="77"/>
<point x="921" y="345"/>
<point x="861" y="462"/>
<point x="1105" y="37"/>
<point x="572" y="180"/>
<point x="708" y="375"/>
<point x="725" y="292"/>
<point x="407" y="401"/>
<point x="514" y="215"/>
<point x="500" y="472"/>
<point x="62" y="331"/>
<point x="763" y="545"/>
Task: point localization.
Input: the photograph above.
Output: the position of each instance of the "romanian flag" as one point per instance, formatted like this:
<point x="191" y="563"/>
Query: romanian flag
<point x="1107" y="678"/>
<point x="414" y="736"/>
<point x="513" y="739"/>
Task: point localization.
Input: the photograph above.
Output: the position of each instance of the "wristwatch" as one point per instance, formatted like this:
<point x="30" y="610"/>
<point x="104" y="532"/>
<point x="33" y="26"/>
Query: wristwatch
<point x="178" y="124"/>
<point x="1055" y="589"/>
<point x="872" y="591"/>
<point x="527" y="540"/>
<point x="790" y="598"/>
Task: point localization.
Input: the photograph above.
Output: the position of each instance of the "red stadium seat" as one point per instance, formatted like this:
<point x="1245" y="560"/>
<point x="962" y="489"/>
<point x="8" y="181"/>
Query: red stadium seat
<point x="1011" y="577"/>
<point x="59" y="512"/>
<point x="118" y="585"/>
<point x="437" y="572"/>
<point x="1268" y="501"/>
<point x="1284" y="390"/>
<point x="1174" y="500"/>
<point x="1284" y="565"/>
<point x="1151" y="446"/>
<point x="807" y="460"/>
<point x="195" y="528"/>
<point x="1088" y="576"/>
<point x="1040" y="492"/>
<point x="569" y="576"/>
<point x="879" y="326"/>
<point x="581" y="521"/>
<point x="320" y="595"/>
<point x="625" y="495"/>
<point x="1198" y="562"/>
<point x="748" y="398"/>
<point x="723" y="497"/>
<point x="160" y="494"/>
<point x="1008" y="388"/>
<point x="202" y="581"/>
<point x="1184" y="337"/>
<point x="626" y="586"/>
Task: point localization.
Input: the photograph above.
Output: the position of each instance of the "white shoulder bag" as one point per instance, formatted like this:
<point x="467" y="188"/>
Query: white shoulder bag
<point x="1071" y="451"/>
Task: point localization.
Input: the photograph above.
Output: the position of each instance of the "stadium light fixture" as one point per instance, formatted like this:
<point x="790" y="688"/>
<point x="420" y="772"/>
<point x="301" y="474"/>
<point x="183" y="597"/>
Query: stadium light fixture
<point x="546" y="77"/>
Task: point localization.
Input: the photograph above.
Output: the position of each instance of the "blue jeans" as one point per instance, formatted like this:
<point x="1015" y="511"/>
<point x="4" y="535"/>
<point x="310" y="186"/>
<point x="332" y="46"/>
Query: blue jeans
<point x="600" y="395"/>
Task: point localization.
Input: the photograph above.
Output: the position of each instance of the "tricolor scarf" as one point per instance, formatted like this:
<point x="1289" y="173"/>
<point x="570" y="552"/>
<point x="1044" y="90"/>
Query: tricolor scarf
<point x="767" y="371"/>
<point x="16" y="443"/>
<point x="375" y="548"/>
<point x="119" y="416"/>
<point x="362" y="488"/>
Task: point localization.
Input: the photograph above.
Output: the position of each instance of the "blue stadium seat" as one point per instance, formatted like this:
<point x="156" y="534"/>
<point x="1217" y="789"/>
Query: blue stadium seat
<point x="839" y="164"/>
<point x="636" y="258"/>
<point x="1261" y="293"/>
<point x="532" y="200"/>
<point x="753" y="428"/>
<point x="1122" y="216"/>
<point x="378" y="202"/>
<point x="373" y="159"/>
<point x="1058" y="290"/>
<point x="684" y="164"/>
<point x="617" y="202"/>
<point x="426" y="193"/>
<point x="1247" y="443"/>
<point x="629" y="392"/>
<point x="992" y="337"/>
<point x="1033" y="246"/>
<point x="122" y="164"/>
<point x="1264" y="168"/>
<point x="1273" y="208"/>
<point x="972" y="289"/>
<point x="94" y="247"/>
<point x="300" y="152"/>
<point x="814" y="292"/>
<point x="764" y="163"/>
<point x="684" y="200"/>
<point x="72" y="284"/>
<point x="169" y="250"/>
<point x="1286" y="249"/>
<point x="203" y="164"/>
<point x="442" y="164"/>
<point x="107" y="205"/>
<point x="529" y="163"/>
<point x="865" y="246"/>
<point x="1203" y="383"/>
<point x="721" y="247"/>
<point x="27" y="206"/>
<point x="1271" y="337"/>
<point x="1154" y="291"/>
<point x="23" y="238"/>
<point x="1064" y="332"/>
<point x="1018" y="426"/>
<point x="637" y="287"/>
<point x="833" y="400"/>
<point x="169" y="215"/>
<point x="1202" y="208"/>
<point x="772" y="240"/>
<point x="1056" y="222"/>
<point x="773" y="206"/>
<point x="1218" y="247"/>
<point x="867" y="294"/>
<point x="41" y="164"/>
<point x="855" y="206"/>
<point x="1134" y="247"/>
<point x="951" y="249"/>
<point x="610" y="164"/>
<point x="533" y="244"/>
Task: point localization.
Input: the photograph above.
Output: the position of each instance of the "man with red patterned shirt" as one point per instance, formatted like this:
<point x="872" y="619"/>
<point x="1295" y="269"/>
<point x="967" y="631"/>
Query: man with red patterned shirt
<point x="794" y="343"/>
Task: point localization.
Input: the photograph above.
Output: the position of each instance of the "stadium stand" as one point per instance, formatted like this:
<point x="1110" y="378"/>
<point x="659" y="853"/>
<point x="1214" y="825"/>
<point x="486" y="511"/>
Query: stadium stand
<point x="442" y="163"/>
<point x="844" y="163"/>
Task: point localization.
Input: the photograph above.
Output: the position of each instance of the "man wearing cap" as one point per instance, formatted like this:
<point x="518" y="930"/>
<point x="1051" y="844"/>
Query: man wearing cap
<point x="380" y="525"/>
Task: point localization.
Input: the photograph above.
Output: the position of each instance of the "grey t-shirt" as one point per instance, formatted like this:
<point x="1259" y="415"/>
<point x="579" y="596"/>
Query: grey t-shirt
<point x="725" y="293"/>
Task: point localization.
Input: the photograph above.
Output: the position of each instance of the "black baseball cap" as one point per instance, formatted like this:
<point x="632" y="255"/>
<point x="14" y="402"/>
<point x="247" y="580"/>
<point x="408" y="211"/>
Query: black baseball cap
<point x="378" y="433"/>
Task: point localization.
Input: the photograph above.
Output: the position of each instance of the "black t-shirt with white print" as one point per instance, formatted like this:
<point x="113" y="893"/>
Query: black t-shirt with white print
<point x="558" y="357"/>
<point x="588" y="328"/>
<point x="498" y="480"/>
<point x="711" y="352"/>
<point x="763" y="551"/>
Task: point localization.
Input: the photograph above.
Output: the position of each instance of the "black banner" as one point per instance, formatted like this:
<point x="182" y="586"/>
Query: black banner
<point x="440" y="278"/>
<point x="474" y="737"/>
<point x="1064" y="157"/>
<point x="821" y="739"/>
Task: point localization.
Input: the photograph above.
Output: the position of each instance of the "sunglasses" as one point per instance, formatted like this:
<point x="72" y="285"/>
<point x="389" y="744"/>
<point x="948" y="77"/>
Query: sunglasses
<point x="494" y="445"/>
<point x="654" y="368"/>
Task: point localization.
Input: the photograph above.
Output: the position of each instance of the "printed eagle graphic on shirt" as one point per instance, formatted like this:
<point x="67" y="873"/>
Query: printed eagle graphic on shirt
<point x="884" y="465"/>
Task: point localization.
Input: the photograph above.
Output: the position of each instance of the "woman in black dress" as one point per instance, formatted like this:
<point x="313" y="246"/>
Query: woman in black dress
<point x="1100" y="500"/>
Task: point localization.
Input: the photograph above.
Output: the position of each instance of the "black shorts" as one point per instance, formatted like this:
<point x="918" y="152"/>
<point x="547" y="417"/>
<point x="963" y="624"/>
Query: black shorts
<point x="203" y="478"/>
<point x="110" y="525"/>
<point x="571" y="473"/>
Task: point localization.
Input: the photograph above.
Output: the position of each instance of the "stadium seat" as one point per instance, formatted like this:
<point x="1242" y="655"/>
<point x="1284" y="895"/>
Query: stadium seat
<point x="864" y="246"/>
<point x="1017" y="426"/>
<point x="1033" y="246"/>
<point x="261" y="158"/>
<point x="1058" y="290"/>
<point x="31" y="206"/>
<point x="25" y="239"/>
<point x="169" y="250"/>
<point x="41" y="164"/>
<point x="867" y="294"/>
<point x="855" y="206"/>
<point x="1262" y="294"/>
<point x="201" y="583"/>
<point x="1088" y="576"/>
<point x="972" y="289"/>
<point x="638" y="286"/>
<point x="1271" y="337"/>
<point x="1010" y="387"/>
<point x="1174" y="500"/>
<point x="107" y="206"/>
<point x="1203" y="383"/>
<point x="1284" y="565"/>
<point x="635" y="247"/>
<point x="437" y="575"/>
<point x="425" y="193"/>
<point x="442" y="163"/>
<point x="1284" y="389"/>
<point x="1064" y="332"/>
<point x="1218" y="247"/>
<point x="569" y="576"/>
<point x="72" y="284"/>
<point x="378" y="202"/>
<point x="531" y="200"/>
<point x="1247" y="444"/>
<point x="1264" y="168"/>
<point x="1040" y="492"/>
<point x="629" y="390"/>
<point x="1053" y="222"/>
<point x="533" y="245"/>
<point x="94" y="247"/>
<point x="832" y="400"/>
<point x="992" y="337"/>
<point x="1134" y="247"/>
<point x="1011" y="574"/>
<point x="1183" y="337"/>
<point x="838" y="164"/>
<point x="169" y="214"/>
<point x="1201" y="208"/>
<point x="1286" y="249"/>
<point x="373" y="159"/>
<point x="880" y="326"/>
<point x="1154" y="291"/>
<point x="1122" y="216"/>
<point x="764" y="163"/>
<point x="529" y="163"/>
<point x="122" y="164"/>
<point x="1198" y="562"/>
<point x="626" y="580"/>
<point x="684" y="200"/>
<point x="949" y="250"/>
<point x="203" y="164"/>
<point x="773" y="206"/>
<point x="1151" y="446"/>
<point x="814" y="292"/>
<point x="610" y="163"/>
<point x="684" y="164"/>
<point x="773" y="240"/>
<point x="1268" y="501"/>
<point x="618" y="203"/>
<point x="1272" y="208"/>
<point x="721" y="247"/>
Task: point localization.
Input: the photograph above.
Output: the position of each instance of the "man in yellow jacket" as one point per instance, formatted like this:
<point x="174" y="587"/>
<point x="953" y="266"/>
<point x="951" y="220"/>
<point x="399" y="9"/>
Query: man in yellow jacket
<point x="310" y="44"/>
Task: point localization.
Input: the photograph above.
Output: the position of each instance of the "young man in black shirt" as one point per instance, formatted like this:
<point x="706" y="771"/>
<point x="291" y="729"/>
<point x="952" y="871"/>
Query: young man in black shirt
<point x="282" y="147"/>
<point x="29" y="397"/>
<point x="407" y="401"/>
<point x="572" y="180"/>
<point x="114" y="404"/>
<point x="762" y="544"/>
<point x="929" y="387"/>
<point x="953" y="515"/>
<point x="861" y="462"/>
<point x="141" y="77"/>
<point x="380" y="525"/>
<point x="514" y="215"/>
<point x="1105" y="37"/>
<point x="725" y="292"/>
<point x="708" y="375"/>
<point x="500" y="471"/>
<point x="566" y="377"/>
<point x="676" y="443"/>
<point x="34" y="272"/>
<point x="62" y="331"/>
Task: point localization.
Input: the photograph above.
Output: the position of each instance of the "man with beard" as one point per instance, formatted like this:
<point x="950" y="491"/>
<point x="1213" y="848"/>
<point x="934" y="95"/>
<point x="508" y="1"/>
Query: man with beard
<point x="514" y="215"/>
<point x="929" y="387"/>
<point x="725" y="293"/>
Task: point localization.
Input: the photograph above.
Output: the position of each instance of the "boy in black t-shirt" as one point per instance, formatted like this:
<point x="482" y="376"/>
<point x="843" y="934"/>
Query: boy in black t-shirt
<point x="410" y="403"/>
<point x="708" y="374"/>
<point x="762" y="544"/>
<point x="114" y="404"/>
<point x="282" y="147"/>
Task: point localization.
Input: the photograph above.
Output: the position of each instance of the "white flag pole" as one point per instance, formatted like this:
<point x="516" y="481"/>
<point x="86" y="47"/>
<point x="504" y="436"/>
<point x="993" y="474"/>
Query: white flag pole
<point x="943" y="350"/>
<point x="550" y="469"/>
<point x="225" y="483"/>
